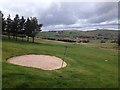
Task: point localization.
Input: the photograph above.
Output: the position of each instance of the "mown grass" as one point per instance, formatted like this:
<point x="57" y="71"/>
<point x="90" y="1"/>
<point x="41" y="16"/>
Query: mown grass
<point x="86" y="68"/>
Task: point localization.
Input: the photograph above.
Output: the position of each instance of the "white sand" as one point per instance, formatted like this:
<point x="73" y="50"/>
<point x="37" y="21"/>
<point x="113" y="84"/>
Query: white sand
<point x="44" y="62"/>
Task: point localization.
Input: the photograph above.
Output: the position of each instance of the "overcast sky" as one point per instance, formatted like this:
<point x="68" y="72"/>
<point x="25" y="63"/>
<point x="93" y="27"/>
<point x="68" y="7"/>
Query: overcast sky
<point x="69" y="15"/>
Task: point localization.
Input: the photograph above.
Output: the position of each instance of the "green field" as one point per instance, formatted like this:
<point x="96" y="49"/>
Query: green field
<point x="86" y="67"/>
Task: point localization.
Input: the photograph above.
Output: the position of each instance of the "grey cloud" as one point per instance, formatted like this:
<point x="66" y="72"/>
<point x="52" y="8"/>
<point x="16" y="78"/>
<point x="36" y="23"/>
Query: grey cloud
<point x="58" y="14"/>
<point x="69" y="12"/>
<point x="66" y="13"/>
<point x="105" y="12"/>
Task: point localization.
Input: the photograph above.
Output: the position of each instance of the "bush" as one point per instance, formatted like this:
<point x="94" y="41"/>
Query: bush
<point x="66" y="40"/>
<point x="51" y="38"/>
<point x="114" y="41"/>
<point x="103" y="41"/>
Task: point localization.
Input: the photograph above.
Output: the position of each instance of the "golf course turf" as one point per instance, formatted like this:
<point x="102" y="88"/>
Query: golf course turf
<point x="87" y="67"/>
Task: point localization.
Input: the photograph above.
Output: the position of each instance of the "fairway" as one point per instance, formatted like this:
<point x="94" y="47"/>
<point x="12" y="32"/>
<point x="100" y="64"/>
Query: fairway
<point x="87" y="67"/>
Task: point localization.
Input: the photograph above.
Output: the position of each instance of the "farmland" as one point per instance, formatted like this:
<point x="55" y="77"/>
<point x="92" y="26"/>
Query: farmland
<point x="97" y="34"/>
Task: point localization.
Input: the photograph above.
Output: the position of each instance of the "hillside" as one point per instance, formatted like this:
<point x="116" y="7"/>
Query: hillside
<point x="73" y="34"/>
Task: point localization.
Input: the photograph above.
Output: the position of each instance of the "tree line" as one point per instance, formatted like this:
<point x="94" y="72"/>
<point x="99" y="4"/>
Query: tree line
<point x="20" y="27"/>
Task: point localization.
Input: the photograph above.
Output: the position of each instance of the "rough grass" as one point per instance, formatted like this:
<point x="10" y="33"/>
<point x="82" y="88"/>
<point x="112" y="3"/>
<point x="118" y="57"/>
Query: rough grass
<point x="107" y="45"/>
<point x="86" y="68"/>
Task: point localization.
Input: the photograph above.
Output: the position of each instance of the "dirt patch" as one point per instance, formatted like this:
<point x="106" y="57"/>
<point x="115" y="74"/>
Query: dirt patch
<point x="44" y="62"/>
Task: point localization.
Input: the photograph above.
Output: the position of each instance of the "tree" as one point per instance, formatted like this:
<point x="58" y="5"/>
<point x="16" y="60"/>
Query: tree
<point x="16" y="25"/>
<point x="3" y="23"/>
<point x="28" y="28"/>
<point x="32" y="28"/>
<point x="13" y="31"/>
<point x="0" y="24"/>
<point x="8" y="26"/>
<point x="35" y="27"/>
<point x="22" y="27"/>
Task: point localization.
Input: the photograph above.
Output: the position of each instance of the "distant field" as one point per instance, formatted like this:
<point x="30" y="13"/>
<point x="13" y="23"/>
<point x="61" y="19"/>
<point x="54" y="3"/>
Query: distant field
<point x="106" y="45"/>
<point x="88" y="66"/>
<point x="111" y="34"/>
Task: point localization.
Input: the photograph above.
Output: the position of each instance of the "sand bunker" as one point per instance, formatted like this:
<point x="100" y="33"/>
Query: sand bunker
<point x="44" y="62"/>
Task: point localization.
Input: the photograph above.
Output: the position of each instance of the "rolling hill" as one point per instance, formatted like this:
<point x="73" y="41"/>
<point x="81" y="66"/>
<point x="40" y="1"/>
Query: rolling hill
<point x="73" y="34"/>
